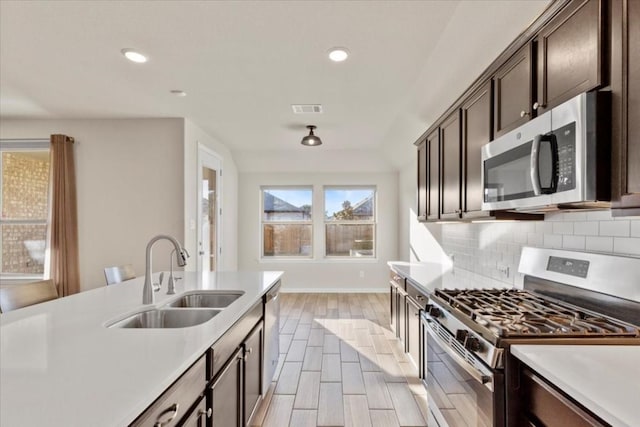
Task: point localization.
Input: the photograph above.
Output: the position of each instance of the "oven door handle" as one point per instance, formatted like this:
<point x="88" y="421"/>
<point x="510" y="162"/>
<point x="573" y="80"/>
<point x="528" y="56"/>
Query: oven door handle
<point x="481" y="377"/>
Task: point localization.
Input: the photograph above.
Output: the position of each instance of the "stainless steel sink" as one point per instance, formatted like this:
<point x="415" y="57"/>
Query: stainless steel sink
<point x="166" y="318"/>
<point x="206" y="299"/>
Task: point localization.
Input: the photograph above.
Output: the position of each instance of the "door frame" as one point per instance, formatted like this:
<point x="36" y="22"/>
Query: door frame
<point x="206" y="157"/>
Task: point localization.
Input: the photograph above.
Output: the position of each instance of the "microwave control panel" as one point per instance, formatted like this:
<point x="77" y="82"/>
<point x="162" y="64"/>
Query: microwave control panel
<point x="566" y="139"/>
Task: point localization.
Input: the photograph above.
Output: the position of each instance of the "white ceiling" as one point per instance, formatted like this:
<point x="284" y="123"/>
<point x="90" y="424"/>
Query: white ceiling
<point x="243" y="63"/>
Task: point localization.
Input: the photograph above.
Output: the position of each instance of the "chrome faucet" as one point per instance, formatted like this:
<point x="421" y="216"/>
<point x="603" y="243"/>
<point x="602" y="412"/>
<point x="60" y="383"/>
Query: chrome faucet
<point x="181" y="258"/>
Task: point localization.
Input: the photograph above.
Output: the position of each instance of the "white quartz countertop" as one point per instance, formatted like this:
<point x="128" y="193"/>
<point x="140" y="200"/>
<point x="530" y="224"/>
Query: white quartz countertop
<point x="603" y="378"/>
<point x="427" y="275"/>
<point x="60" y="365"/>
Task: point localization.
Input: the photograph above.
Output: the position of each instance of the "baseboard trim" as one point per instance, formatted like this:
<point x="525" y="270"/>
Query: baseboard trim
<point x="334" y="290"/>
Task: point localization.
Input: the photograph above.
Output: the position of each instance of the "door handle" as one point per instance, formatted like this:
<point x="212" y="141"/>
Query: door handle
<point x="535" y="164"/>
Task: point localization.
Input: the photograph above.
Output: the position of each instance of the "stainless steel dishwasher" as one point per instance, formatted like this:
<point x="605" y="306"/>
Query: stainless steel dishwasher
<point x="271" y="335"/>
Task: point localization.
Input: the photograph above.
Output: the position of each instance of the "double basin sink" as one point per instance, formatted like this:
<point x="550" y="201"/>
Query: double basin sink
<point x="190" y="309"/>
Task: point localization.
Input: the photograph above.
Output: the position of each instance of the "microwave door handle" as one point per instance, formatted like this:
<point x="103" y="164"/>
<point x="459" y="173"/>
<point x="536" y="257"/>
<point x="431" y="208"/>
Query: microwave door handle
<point x="535" y="165"/>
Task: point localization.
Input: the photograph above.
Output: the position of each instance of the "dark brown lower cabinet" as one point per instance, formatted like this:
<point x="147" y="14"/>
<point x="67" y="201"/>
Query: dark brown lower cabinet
<point x="413" y="331"/>
<point x="236" y="390"/>
<point x="542" y="404"/>
<point x="174" y="404"/>
<point x="252" y="375"/>
<point x="225" y="393"/>
<point x="393" y="307"/>
<point x="198" y="416"/>
<point x="402" y="318"/>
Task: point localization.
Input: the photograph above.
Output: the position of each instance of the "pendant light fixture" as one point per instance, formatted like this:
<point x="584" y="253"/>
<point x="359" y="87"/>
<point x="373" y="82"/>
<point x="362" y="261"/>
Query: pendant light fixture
<point x="311" y="140"/>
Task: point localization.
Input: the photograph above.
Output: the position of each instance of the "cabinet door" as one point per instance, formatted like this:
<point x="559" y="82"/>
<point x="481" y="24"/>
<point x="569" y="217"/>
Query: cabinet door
<point x="198" y="416"/>
<point x="512" y="92"/>
<point x="422" y="181"/>
<point x="433" y="175"/>
<point x="226" y="399"/>
<point x="450" y="167"/>
<point x="393" y="308"/>
<point x="569" y="50"/>
<point x="476" y="132"/>
<point x="402" y="319"/>
<point x="413" y="332"/>
<point x="252" y="372"/>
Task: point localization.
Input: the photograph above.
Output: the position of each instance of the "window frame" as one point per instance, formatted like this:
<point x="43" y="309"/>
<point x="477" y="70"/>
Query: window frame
<point x="27" y="145"/>
<point x="264" y="222"/>
<point x="373" y="222"/>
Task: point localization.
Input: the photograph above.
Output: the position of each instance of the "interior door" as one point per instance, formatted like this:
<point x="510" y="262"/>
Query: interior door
<point x="209" y="210"/>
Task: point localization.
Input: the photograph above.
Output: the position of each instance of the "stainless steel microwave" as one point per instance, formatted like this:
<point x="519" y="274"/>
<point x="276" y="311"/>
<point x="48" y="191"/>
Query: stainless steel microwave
<point x="560" y="159"/>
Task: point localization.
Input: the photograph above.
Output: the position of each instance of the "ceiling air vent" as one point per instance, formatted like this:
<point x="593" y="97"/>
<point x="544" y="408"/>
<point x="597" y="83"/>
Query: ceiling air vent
<point x="307" y="108"/>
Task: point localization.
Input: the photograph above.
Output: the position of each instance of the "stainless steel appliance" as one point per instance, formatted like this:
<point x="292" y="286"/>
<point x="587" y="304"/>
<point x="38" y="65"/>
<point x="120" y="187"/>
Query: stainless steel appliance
<point x="566" y="300"/>
<point x="271" y="336"/>
<point x="559" y="158"/>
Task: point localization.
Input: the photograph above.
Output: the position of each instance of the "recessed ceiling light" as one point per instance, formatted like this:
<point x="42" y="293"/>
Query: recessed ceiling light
<point x="338" y="54"/>
<point x="134" y="56"/>
<point x="177" y="92"/>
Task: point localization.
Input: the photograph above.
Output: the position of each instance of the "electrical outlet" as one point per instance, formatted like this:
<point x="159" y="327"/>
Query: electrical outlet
<point x="362" y="274"/>
<point x="504" y="269"/>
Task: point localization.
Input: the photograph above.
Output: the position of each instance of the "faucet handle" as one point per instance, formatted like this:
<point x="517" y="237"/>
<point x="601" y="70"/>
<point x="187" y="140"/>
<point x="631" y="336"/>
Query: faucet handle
<point x="156" y="286"/>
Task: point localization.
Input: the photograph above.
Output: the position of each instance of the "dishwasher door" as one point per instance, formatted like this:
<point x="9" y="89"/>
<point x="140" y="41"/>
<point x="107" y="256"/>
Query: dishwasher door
<point x="271" y="336"/>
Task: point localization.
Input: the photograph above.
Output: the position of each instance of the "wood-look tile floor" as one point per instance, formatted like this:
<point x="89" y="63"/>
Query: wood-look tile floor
<point x="340" y="365"/>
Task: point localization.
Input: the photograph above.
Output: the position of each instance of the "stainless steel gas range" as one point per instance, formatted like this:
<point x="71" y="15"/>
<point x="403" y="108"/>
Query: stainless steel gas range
<point x="566" y="299"/>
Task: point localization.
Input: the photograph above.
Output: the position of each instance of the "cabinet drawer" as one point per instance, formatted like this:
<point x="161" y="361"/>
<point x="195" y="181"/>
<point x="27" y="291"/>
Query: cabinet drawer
<point x="397" y="279"/>
<point x="230" y="341"/>
<point x="417" y="295"/>
<point x="545" y="404"/>
<point x="174" y="403"/>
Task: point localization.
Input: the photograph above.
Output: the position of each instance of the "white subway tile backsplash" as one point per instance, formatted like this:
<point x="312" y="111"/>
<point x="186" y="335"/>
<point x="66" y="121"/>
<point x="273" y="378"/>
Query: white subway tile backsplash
<point x="554" y="216"/>
<point x="615" y="228"/>
<point x="599" y="244"/>
<point x="553" y="241"/>
<point x="573" y="242"/>
<point x="479" y="248"/>
<point x="586" y="228"/>
<point x="575" y="216"/>
<point x="626" y="245"/>
<point x="563" y="228"/>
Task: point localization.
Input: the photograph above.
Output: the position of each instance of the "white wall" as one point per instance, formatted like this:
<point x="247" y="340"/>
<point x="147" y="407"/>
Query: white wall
<point x="319" y="274"/>
<point x="129" y="183"/>
<point x="192" y="136"/>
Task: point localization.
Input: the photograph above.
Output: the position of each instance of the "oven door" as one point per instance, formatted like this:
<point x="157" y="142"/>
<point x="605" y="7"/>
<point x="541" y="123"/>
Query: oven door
<point x="460" y="389"/>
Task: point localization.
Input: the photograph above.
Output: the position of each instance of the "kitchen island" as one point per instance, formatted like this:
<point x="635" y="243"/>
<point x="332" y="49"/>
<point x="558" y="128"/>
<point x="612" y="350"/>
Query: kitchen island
<point x="60" y="365"/>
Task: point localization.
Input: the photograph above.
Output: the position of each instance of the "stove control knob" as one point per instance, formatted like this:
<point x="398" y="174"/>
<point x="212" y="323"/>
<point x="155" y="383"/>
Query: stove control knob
<point x="472" y="344"/>
<point x="461" y="335"/>
<point x="434" y="312"/>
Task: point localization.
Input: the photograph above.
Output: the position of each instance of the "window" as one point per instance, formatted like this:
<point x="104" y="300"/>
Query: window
<point x="286" y="222"/>
<point x="24" y="201"/>
<point x="350" y="226"/>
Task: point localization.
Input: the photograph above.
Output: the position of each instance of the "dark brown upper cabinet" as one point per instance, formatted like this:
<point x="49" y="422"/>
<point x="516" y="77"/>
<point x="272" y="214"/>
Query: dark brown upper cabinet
<point x="450" y="167"/>
<point x="433" y="175"/>
<point x="512" y="86"/>
<point x="423" y="148"/>
<point x="569" y="54"/>
<point x="476" y="132"/>
<point x="625" y="83"/>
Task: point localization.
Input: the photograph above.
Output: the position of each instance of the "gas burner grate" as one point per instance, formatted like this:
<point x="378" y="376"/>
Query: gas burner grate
<point x="514" y="312"/>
